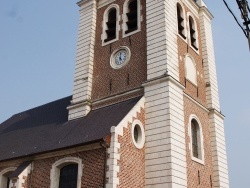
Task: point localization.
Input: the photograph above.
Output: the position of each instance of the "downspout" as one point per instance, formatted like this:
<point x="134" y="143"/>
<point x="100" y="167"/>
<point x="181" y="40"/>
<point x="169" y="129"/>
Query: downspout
<point x="104" y="145"/>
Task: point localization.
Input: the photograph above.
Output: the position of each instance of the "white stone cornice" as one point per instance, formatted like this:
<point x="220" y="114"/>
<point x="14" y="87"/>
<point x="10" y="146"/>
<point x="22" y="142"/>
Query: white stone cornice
<point x="207" y="12"/>
<point x="213" y="110"/>
<point x="116" y="96"/>
<point x="163" y="79"/>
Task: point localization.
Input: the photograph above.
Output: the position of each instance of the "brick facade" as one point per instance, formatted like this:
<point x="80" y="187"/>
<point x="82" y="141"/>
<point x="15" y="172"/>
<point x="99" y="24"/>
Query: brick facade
<point x="92" y="172"/>
<point x="131" y="75"/>
<point x="132" y="161"/>
<point x="165" y="109"/>
<point x="206" y="170"/>
<point x="197" y="92"/>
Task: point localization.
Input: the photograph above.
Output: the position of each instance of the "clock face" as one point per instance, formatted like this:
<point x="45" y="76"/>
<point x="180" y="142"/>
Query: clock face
<point x="120" y="57"/>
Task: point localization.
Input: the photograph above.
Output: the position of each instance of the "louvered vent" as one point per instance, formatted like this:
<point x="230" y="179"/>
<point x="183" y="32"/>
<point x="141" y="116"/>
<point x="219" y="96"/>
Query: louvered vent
<point x="180" y="22"/>
<point x="111" y="26"/>
<point x="192" y="33"/>
<point x="132" y="17"/>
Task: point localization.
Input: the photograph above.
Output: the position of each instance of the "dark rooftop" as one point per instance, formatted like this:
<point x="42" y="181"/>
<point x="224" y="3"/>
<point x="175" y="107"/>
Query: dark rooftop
<point x="46" y="128"/>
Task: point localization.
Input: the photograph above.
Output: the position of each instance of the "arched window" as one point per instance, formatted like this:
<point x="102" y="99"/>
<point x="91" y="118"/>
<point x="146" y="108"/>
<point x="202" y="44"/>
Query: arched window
<point x="66" y="173"/>
<point x="181" y="21"/>
<point x="110" y="24"/>
<point x="68" y="176"/>
<point x="195" y="131"/>
<point x="193" y="33"/>
<point x="131" y="17"/>
<point x="4" y="177"/>
<point x="196" y="139"/>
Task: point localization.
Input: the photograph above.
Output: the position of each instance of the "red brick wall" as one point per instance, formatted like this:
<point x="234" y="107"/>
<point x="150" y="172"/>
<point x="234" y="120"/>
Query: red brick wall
<point x="92" y="174"/>
<point x="193" y="167"/>
<point x="197" y="92"/>
<point x="132" y="160"/>
<point x="136" y="67"/>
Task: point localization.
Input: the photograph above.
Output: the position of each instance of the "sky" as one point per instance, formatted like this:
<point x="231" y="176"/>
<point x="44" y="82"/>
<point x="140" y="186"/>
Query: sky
<point x="37" y="57"/>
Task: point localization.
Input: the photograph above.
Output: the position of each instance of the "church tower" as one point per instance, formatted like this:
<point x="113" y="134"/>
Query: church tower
<point x="163" y="51"/>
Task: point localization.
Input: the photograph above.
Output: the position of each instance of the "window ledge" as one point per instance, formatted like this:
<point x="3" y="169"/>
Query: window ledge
<point x="196" y="51"/>
<point x="109" y="42"/>
<point x="198" y="160"/>
<point x="131" y="33"/>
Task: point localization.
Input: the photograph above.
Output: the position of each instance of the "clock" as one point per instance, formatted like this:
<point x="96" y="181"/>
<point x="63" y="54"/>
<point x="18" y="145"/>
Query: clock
<point x="120" y="57"/>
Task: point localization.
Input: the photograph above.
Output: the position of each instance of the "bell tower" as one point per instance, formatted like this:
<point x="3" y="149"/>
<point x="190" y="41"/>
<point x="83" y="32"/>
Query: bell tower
<point x="185" y="144"/>
<point x="111" y="54"/>
<point x="162" y="50"/>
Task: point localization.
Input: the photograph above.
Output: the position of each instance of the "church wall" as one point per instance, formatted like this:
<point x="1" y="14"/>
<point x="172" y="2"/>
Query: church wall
<point x="126" y="154"/>
<point x="197" y="92"/>
<point x="92" y="174"/>
<point x="92" y="171"/>
<point x="132" y="160"/>
<point x="206" y="169"/>
<point x="131" y="75"/>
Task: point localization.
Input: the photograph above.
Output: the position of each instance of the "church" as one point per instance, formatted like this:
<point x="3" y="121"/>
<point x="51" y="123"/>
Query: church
<point x="144" y="111"/>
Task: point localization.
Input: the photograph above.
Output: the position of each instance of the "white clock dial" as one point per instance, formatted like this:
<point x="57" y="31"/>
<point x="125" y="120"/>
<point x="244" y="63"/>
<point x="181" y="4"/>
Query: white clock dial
<point x="120" y="57"/>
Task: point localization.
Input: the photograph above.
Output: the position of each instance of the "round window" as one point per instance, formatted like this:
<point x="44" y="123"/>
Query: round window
<point x="138" y="135"/>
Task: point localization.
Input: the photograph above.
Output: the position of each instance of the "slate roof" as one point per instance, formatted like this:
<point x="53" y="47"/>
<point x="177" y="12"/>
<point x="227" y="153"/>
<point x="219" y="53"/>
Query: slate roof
<point x="46" y="128"/>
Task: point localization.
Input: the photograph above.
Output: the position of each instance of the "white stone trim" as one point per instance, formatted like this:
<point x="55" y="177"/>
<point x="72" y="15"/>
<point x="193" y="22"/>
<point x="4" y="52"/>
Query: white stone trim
<point x="113" y="150"/>
<point x="102" y="3"/>
<point x="192" y="6"/>
<point x="216" y="124"/>
<point x="141" y="135"/>
<point x="129" y="116"/>
<point x="212" y="93"/>
<point x="116" y="96"/>
<point x="162" y="50"/>
<point x="200" y="160"/>
<point x="55" y="170"/>
<point x="220" y="169"/>
<point x="201" y="3"/>
<point x="25" y="172"/>
<point x="165" y="134"/>
<point x="84" y="59"/>
<point x="125" y="19"/>
<point x="104" y="25"/>
<point x="2" y="178"/>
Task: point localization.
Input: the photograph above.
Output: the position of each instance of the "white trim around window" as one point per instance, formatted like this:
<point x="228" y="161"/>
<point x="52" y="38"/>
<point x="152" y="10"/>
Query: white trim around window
<point x="104" y="25"/>
<point x="138" y="134"/>
<point x="200" y="158"/>
<point x="125" y="18"/>
<point x="184" y="23"/>
<point x="3" y="179"/>
<point x="55" y="170"/>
